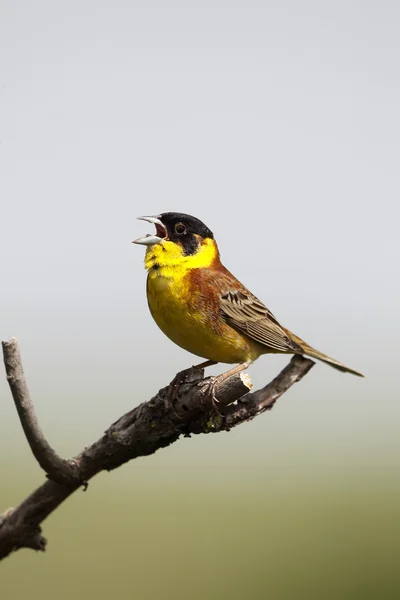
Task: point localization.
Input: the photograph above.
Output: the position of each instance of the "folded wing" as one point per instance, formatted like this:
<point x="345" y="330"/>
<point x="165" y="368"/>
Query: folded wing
<point x="246" y="313"/>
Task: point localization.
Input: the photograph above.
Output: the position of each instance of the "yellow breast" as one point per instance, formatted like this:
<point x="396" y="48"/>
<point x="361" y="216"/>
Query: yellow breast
<point x="180" y="310"/>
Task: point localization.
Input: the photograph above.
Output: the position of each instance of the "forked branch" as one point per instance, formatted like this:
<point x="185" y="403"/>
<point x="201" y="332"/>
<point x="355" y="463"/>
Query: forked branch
<point x="152" y="425"/>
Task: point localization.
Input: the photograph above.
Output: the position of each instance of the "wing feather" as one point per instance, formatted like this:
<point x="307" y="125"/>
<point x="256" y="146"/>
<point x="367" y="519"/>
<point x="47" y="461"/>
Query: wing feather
<point x="248" y="314"/>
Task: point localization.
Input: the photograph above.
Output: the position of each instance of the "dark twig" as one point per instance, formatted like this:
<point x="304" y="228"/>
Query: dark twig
<point x="254" y="404"/>
<point x="56" y="468"/>
<point x="152" y="425"/>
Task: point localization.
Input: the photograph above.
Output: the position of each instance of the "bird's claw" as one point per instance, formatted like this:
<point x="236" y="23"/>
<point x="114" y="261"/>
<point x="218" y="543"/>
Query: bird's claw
<point x="209" y="394"/>
<point x="174" y="387"/>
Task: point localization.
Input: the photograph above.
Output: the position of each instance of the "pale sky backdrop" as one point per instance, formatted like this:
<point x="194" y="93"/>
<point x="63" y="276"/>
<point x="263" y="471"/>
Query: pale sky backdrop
<point x="278" y="125"/>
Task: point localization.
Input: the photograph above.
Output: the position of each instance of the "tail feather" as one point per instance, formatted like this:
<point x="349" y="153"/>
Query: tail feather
<point x="309" y="351"/>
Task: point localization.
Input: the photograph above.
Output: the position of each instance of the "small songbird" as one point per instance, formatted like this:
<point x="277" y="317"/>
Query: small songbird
<point x="202" y="307"/>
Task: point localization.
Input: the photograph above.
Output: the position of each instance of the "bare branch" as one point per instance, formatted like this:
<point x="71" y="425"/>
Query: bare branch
<point x="27" y="537"/>
<point x="264" y="399"/>
<point x="152" y="425"/>
<point x="60" y="470"/>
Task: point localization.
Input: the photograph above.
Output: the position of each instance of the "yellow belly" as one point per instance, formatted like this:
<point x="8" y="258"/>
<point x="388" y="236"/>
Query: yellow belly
<point x="180" y="313"/>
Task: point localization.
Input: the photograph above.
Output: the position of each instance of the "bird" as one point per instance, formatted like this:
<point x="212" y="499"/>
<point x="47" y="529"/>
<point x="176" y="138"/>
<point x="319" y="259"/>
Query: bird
<point x="201" y="306"/>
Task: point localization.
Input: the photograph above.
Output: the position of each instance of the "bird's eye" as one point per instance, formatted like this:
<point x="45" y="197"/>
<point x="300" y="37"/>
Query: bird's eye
<point x="180" y="229"/>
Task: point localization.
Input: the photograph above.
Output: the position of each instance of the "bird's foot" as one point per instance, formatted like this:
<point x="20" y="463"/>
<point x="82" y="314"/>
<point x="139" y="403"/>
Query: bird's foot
<point x="174" y="387"/>
<point x="209" y="388"/>
<point x="211" y="384"/>
<point x="193" y="373"/>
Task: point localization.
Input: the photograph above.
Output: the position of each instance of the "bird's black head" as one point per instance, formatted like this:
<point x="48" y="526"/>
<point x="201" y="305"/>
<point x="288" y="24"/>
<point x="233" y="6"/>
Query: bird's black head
<point x="183" y="230"/>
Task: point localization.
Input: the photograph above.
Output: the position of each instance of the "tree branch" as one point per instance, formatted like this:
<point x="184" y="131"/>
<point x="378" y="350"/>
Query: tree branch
<point x="56" y="468"/>
<point x="152" y="425"/>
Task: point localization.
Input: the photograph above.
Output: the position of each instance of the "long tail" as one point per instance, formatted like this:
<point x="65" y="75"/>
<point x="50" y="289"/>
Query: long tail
<point x="309" y="351"/>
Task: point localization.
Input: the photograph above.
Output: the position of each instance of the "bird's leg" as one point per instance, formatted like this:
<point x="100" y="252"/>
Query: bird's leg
<point x="180" y="378"/>
<point x="203" y="365"/>
<point x="221" y="378"/>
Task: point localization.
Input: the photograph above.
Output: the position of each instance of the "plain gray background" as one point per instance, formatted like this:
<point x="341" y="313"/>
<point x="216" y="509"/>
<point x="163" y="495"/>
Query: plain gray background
<point x="278" y="125"/>
<point x="275" y="123"/>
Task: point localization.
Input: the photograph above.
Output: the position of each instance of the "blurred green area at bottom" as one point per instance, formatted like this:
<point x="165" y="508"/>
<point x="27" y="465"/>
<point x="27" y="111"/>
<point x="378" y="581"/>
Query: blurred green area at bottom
<point x="201" y="535"/>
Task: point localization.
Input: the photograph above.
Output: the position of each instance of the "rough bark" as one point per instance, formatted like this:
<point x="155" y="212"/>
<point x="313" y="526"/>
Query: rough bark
<point x="152" y="425"/>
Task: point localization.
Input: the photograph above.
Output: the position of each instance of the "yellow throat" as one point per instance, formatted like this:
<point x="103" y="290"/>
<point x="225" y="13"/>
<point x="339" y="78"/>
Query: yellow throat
<point x="166" y="259"/>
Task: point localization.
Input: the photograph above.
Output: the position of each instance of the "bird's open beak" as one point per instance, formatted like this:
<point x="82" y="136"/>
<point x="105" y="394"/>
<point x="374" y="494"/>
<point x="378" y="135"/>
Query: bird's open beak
<point x="149" y="240"/>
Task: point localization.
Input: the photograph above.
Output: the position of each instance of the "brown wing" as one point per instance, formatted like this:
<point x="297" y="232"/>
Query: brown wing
<point x="246" y="313"/>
